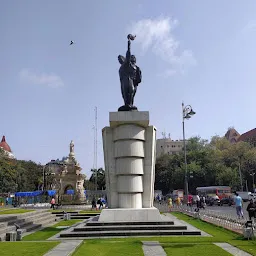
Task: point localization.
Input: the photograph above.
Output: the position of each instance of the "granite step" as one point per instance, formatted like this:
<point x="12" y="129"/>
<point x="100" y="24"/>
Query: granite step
<point x="36" y="216"/>
<point x="8" y="218"/>
<point x="129" y="233"/>
<point x="25" y="224"/>
<point x="77" y="217"/>
<point x="17" y="221"/>
<point x="32" y="227"/>
<point x="3" y="225"/>
<point x="46" y="217"/>
<point x="129" y="227"/>
<point x="125" y="223"/>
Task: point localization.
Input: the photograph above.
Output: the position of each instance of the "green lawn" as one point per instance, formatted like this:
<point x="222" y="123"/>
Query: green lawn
<point x="67" y="222"/>
<point x="221" y="234"/>
<point x="62" y="210"/>
<point x="218" y="235"/>
<point x="48" y="232"/>
<point x="182" y="245"/>
<point x="106" y="248"/>
<point x="25" y="248"/>
<point x="90" y="211"/>
<point x="14" y="211"/>
<point x="194" y="250"/>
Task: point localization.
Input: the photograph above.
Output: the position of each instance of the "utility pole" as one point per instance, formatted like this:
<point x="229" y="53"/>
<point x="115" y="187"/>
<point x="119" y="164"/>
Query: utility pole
<point x="96" y="149"/>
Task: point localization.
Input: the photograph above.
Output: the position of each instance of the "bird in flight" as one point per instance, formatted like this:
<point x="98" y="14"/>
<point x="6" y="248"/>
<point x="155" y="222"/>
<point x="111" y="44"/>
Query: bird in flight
<point x="71" y="42"/>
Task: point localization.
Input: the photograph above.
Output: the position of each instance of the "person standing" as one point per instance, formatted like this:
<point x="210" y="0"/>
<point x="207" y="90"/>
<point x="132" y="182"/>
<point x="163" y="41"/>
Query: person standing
<point x="190" y="200"/>
<point x="94" y="206"/>
<point x="169" y="201"/>
<point x="197" y="198"/>
<point x="239" y="205"/>
<point x="178" y="201"/>
<point x="251" y="209"/>
<point x="53" y="203"/>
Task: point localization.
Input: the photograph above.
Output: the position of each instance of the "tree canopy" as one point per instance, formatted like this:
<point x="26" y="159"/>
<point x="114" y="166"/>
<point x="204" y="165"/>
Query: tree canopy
<point x="208" y="163"/>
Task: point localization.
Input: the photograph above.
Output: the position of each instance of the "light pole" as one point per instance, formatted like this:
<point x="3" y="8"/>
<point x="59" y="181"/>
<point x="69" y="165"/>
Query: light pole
<point x="187" y="112"/>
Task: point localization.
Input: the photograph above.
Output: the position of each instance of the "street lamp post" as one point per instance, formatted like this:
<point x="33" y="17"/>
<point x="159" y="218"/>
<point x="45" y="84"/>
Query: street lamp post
<point x="187" y="112"/>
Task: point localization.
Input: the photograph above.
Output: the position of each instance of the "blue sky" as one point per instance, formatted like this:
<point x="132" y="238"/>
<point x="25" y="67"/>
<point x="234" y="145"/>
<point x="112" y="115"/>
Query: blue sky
<point x="200" y="52"/>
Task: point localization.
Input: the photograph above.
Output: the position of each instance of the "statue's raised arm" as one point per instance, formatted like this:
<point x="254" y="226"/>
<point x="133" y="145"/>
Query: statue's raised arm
<point x="130" y="77"/>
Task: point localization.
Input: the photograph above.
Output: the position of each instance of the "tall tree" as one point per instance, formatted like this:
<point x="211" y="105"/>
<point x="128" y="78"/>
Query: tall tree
<point x="101" y="182"/>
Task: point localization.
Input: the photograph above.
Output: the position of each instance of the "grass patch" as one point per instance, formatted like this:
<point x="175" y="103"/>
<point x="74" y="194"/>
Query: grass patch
<point x="67" y="222"/>
<point x="48" y="232"/>
<point x="194" y="250"/>
<point x="105" y="248"/>
<point x="43" y="234"/>
<point x="25" y="249"/>
<point x="90" y="211"/>
<point x="63" y="210"/>
<point x="221" y="234"/>
<point x="14" y="211"/>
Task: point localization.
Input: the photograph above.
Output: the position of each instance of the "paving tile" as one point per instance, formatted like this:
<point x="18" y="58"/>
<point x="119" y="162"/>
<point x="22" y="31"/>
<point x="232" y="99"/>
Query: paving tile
<point x="232" y="250"/>
<point x="153" y="248"/>
<point x="65" y="248"/>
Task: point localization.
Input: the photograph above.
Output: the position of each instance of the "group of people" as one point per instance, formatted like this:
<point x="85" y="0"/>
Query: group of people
<point x="176" y="200"/>
<point x="99" y="202"/>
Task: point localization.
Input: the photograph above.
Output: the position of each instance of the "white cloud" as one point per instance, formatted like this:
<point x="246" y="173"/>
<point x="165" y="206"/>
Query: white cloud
<point x="50" y="80"/>
<point x="249" y="27"/>
<point x="156" y="35"/>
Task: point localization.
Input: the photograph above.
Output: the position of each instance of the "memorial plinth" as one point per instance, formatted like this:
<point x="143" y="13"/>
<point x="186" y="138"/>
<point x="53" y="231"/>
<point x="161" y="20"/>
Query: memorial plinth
<point x="129" y="153"/>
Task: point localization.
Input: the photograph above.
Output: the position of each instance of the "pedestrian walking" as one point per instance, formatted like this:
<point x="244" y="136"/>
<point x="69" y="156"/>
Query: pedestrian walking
<point x="197" y="198"/>
<point x="239" y="205"/>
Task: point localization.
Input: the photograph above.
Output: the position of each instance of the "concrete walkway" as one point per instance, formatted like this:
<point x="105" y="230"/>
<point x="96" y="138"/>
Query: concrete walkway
<point x="232" y="250"/>
<point x="153" y="248"/>
<point x="65" y="248"/>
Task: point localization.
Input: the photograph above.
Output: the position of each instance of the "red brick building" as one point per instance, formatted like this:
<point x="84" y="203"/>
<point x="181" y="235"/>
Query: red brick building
<point x="233" y="136"/>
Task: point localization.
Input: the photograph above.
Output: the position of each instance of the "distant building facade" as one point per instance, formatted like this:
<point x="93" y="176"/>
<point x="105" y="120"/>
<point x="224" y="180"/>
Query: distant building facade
<point x="233" y="136"/>
<point x="249" y="137"/>
<point x="6" y="148"/>
<point x="167" y="146"/>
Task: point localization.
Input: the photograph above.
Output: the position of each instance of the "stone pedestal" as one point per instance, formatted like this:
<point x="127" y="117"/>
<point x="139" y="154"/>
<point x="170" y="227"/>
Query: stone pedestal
<point x="129" y="152"/>
<point x="143" y="215"/>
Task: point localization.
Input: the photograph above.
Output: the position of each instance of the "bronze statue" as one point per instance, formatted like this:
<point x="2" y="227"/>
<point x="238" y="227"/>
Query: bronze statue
<point x="130" y="77"/>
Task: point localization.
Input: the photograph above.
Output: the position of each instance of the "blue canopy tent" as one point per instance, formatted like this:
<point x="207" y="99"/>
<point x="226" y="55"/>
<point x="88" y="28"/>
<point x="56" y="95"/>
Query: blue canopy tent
<point x="70" y="192"/>
<point x="32" y="197"/>
<point x="31" y="193"/>
<point x="51" y="192"/>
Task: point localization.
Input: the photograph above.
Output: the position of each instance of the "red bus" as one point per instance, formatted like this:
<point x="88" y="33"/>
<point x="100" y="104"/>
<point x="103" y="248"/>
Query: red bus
<point x="220" y="191"/>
